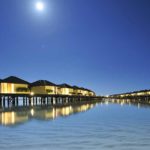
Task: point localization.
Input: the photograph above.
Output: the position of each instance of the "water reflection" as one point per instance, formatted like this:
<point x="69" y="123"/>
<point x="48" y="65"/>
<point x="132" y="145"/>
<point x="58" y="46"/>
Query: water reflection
<point x="123" y="102"/>
<point x="24" y="114"/>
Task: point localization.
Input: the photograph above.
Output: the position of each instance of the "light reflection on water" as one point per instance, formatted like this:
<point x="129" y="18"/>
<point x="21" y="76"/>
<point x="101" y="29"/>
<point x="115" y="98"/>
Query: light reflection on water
<point x="23" y="114"/>
<point x="109" y="125"/>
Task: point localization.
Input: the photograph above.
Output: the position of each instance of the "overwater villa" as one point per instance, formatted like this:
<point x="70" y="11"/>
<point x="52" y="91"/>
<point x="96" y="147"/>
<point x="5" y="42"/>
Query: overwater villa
<point x="15" y="85"/>
<point x="65" y="89"/>
<point x="132" y="94"/>
<point x="43" y="87"/>
<point x="82" y="91"/>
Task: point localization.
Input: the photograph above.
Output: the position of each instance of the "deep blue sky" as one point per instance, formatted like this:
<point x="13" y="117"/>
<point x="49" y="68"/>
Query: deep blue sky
<point x="103" y="45"/>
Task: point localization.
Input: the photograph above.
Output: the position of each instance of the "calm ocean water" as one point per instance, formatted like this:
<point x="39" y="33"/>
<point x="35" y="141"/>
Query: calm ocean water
<point x="106" y="126"/>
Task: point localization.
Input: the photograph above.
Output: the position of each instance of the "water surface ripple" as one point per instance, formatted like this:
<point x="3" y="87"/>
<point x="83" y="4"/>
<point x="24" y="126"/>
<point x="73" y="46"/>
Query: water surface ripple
<point x="106" y="126"/>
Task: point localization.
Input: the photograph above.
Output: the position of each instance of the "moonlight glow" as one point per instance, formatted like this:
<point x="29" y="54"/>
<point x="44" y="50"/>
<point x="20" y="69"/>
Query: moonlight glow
<point x="40" y="6"/>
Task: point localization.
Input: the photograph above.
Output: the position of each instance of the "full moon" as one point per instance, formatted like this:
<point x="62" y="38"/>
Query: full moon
<point x="40" y="6"/>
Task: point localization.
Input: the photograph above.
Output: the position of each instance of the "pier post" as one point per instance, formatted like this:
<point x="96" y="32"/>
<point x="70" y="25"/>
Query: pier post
<point x="23" y="101"/>
<point x="36" y="100"/>
<point x="17" y="101"/>
<point x="44" y="99"/>
<point x="64" y="100"/>
<point x="52" y="100"/>
<point x="56" y="100"/>
<point x="32" y="101"/>
<point x="8" y="101"/>
<point x="0" y="101"/>
<point x="69" y="99"/>
<point x="4" y="101"/>
<point x="13" y="101"/>
<point x="47" y="100"/>
<point x="39" y="100"/>
<point x="29" y="99"/>
<point x="26" y="101"/>
<point x="60" y="100"/>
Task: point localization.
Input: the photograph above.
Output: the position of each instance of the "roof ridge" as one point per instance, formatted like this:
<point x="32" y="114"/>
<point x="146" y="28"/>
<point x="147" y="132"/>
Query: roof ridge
<point x="14" y="79"/>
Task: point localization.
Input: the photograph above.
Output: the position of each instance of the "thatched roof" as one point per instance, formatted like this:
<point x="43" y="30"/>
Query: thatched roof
<point x="75" y="87"/>
<point x="13" y="79"/>
<point x="81" y="88"/>
<point x="88" y="90"/>
<point x="64" y="85"/>
<point x="42" y="83"/>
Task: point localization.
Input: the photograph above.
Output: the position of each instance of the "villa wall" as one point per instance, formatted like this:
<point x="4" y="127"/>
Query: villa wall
<point x="65" y="91"/>
<point x="53" y="89"/>
<point x="13" y="88"/>
<point x="43" y="90"/>
<point x="58" y="90"/>
<point x="38" y="90"/>
<point x="91" y="94"/>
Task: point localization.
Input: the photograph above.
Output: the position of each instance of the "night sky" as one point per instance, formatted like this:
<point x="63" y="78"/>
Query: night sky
<point x="103" y="45"/>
